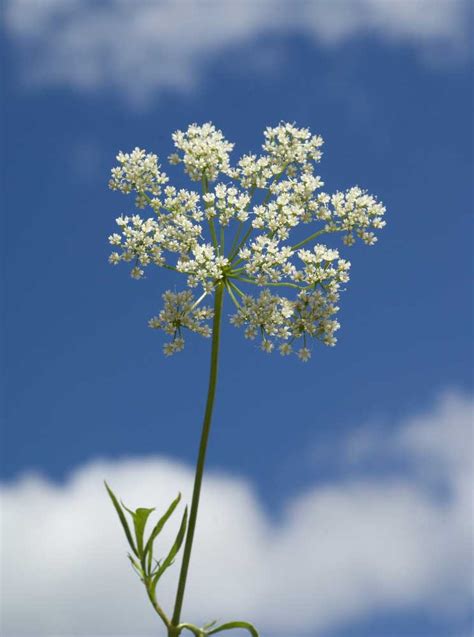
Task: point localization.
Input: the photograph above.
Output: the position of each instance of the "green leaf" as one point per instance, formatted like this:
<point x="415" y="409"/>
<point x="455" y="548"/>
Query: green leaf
<point x="122" y="518"/>
<point x="140" y="518"/>
<point x="149" y="562"/>
<point x="230" y="625"/>
<point x="136" y="566"/>
<point x="132" y="513"/>
<point x="193" y="629"/>
<point x="173" y="552"/>
<point x="160" y="524"/>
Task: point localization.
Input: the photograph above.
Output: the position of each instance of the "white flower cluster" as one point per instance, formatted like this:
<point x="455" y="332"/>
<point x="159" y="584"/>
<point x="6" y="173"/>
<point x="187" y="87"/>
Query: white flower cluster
<point x="309" y="315"/>
<point x="286" y="144"/>
<point x="180" y="312"/>
<point x="140" y="172"/>
<point x="318" y="268"/>
<point x="140" y="241"/>
<point x="267" y="315"/>
<point x="227" y="203"/>
<point x="255" y="172"/>
<point x="204" y="266"/>
<point x="205" y="151"/>
<point x="294" y="202"/>
<point x="266" y="261"/>
<point x="353" y="212"/>
<point x="237" y="233"/>
<point x="287" y="148"/>
<point x="144" y="240"/>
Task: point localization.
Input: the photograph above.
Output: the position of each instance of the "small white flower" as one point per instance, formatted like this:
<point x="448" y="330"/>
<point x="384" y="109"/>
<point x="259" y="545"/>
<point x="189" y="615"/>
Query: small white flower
<point x="267" y="346"/>
<point x="304" y="354"/>
<point x="285" y="349"/>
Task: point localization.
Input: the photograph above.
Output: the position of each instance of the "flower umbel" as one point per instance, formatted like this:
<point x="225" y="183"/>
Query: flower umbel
<point x="180" y="312"/>
<point x="138" y="172"/>
<point x="205" y="151"/>
<point x="251" y="209"/>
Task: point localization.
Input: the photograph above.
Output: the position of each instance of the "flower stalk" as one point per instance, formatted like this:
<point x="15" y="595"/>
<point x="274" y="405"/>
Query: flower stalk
<point x="206" y="427"/>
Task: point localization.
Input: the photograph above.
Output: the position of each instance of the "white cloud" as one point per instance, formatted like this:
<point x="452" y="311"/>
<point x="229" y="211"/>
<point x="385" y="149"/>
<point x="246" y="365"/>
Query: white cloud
<point x="341" y="551"/>
<point x="142" y="47"/>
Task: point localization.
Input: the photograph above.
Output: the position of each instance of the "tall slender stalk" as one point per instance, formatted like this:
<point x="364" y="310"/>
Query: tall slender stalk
<point x="216" y="326"/>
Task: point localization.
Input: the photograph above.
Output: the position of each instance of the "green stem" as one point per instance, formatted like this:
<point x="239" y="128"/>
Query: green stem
<point x="236" y="288"/>
<point x="242" y="242"/>
<point x="282" y="284"/>
<point x="218" y="301"/>
<point x="171" y="267"/>
<point x="212" y="227"/>
<point x="308" y="239"/>
<point x="222" y="241"/>
<point x="232" y="295"/>
<point x="156" y="606"/>
<point x="275" y="180"/>
<point x="240" y="227"/>
<point x="236" y="238"/>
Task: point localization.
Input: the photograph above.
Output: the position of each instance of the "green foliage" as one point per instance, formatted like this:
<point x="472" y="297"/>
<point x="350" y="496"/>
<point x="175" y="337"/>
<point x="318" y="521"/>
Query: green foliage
<point x="122" y="518"/>
<point x="160" y="524"/>
<point x="208" y="629"/>
<point x="230" y="625"/>
<point x="150" y="570"/>
<point x="140" y="518"/>
<point x="143" y="548"/>
<point x="169" y="559"/>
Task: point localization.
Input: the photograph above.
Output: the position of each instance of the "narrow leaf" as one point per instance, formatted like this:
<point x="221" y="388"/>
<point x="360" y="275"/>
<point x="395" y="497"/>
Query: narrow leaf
<point x="122" y="518"/>
<point x="149" y="562"/>
<point x="136" y="566"/>
<point x="193" y="629"/>
<point x="229" y="626"/>
<point x="140" y="518"/>
<point x="174" y="550"/>
<point x="160" y="524"/>
<point x="132" y="513"/>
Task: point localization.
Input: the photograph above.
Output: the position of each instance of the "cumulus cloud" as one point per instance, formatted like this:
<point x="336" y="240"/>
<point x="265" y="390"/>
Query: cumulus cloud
<point x="339" y="552"/>
<point x="144" y="47"/>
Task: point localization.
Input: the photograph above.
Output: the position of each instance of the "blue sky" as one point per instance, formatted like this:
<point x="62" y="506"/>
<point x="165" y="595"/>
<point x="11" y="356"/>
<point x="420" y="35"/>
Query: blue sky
<point x="389" y="87"/>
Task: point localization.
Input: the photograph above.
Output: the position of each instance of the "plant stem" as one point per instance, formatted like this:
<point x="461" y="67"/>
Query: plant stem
<point x="212" y="227"/>
<point x="308" y="239"/>
<point x="218" y="301"/>
<point x="275" y="180"/>
<point x="156" y="606"/>
<point x="282" y="284"/>
<point x="232" y="295"/>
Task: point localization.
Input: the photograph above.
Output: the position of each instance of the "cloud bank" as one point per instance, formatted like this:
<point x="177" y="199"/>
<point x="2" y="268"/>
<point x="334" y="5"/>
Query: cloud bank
<point x="340" y="552"/>
<point x="144" y="47"/>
